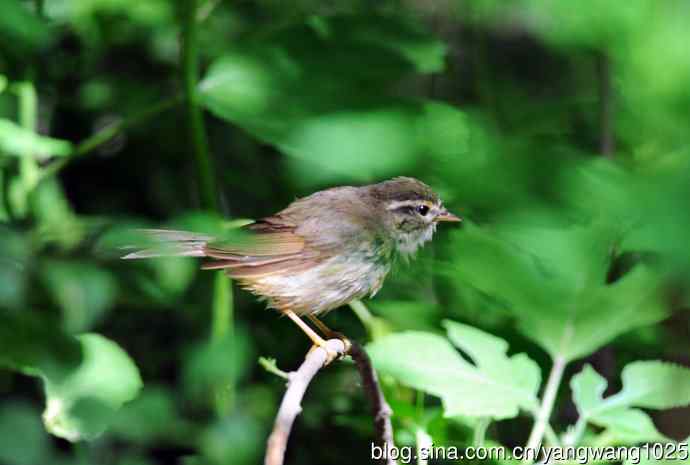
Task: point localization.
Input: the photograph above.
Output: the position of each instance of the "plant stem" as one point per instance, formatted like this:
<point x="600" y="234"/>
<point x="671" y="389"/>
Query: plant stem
<point x="424" y="444"/>
<point x="544" y="412"/>
<point x="578" y="431"/>
<point x="197" y="133"/>
<point x="364" y="315"/>
<point x="420" y="406"/>
<point x="607" y="144"/>
<point x="269" y="364"/>
<point x="222" y="329"/>
<point x="480" y="431"/>
<point x="28" y="166"/>
<point x="104" y="135"/>
<point x="222" y="308"/>
<point x="222" y="318"/>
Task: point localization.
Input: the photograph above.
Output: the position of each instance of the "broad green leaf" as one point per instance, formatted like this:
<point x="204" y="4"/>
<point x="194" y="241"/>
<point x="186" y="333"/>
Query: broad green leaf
<point x="588" y="388"/>
<point x="553" y="279"/>
<point x="80" y="403"/>
<point x="428" y="362"/>
<point x="83" y="291"/>
<point x="655" y="385"/>
<point x="319" y="93"/>
<point x="21" y="31"/>
<point x="629" y="426"/>
<point x="33" y="344"/>
<point x="86" y="378"/>
<point x="489" y="355"/>
<point x="21" y="142"/>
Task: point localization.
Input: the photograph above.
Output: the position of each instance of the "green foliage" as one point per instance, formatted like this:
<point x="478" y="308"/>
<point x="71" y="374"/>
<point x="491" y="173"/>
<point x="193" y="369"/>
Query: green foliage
<point x="83" y="291"/>
<point x="18" y="141"/>
<point x="558" y="130"/>
<point x="20" y="30"/>
<point x="553" y="279"/>
<point x="23" y="440"/>
<point x="296" y="97"/>
<point x="653" y="385"/>
<point x="80" y="402"/>
<point x="494" y="386"/>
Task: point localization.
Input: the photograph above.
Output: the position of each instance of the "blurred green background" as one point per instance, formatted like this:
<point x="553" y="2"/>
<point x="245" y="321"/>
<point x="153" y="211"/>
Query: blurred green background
<point x="559" y="130"/>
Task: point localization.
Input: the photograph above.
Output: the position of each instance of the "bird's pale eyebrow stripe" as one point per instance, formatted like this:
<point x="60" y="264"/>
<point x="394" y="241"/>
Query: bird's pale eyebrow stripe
<point x="408" y="203"/>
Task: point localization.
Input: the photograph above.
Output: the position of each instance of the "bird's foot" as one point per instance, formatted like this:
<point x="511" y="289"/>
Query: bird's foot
<point x="342" y="337"/>
<point x="332" y="355"/>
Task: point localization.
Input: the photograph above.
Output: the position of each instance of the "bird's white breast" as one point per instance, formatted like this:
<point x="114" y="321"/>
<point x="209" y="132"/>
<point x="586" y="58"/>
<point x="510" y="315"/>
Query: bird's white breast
<point x="330" y="284"/>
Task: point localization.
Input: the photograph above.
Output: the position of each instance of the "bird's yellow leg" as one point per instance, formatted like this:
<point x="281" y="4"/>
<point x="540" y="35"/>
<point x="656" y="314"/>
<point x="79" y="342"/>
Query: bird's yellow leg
<point x="311" y="334"/>
<point x="329" y="333"/>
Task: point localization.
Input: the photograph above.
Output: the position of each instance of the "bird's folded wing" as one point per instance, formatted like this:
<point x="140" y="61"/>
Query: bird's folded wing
<point x="272" y="247"/>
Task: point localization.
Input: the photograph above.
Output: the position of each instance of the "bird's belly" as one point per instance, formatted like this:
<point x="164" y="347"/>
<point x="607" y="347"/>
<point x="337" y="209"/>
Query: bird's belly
<point x="328" y="285"/>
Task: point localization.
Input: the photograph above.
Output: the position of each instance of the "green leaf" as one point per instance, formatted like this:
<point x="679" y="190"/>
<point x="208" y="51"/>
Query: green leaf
<point x="235" y="439"/>
<point x="553" y="279"/>
<point x="20" y="30"/>
<point x="14" y="258"/>
<point x="31" y="344"/>
<point x="656" y="385"/>
<point x="588" y="389"/>
<point x="151" y="416"/>
<point x="496" y="385"/>
<point x="81" y="402"/>
<point x="221" y="361"/>
<point x="18" y="141"/>
<point x="318" y="93"/>
<point x="489" y="355"/>
<point x="83" y="291"/>
<point x="629" y="426"/>
<point x="23" y="441"/>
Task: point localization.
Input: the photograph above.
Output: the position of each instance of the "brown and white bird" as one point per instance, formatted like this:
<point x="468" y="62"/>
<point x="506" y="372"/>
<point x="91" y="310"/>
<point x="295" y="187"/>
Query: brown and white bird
<point x="322" y="251"/>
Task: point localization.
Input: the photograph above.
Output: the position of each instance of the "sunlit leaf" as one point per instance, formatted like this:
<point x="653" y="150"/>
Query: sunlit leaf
<point x="320" y="97"/>
<point x="80" y="403"/>
<point x="553" y="279"/>
<point x="14" y="258"/>
<point x="656" y="385"/>
<point x="21" y="142"/>
<point x="20" y="29"/>
<point x="495" y="385"/>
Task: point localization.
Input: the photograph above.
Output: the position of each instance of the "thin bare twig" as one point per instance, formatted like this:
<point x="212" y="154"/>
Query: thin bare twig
<point x="290" y="407"/>
<point x="380" y="409"/>
<point x="299" y="380"/>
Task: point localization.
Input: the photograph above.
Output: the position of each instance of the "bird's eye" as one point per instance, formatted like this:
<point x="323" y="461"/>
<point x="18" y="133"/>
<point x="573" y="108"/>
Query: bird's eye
<point x="422" y="209"/>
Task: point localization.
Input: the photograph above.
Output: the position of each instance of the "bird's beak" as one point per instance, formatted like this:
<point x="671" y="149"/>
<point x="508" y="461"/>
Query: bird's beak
<point x="447" y="216"/>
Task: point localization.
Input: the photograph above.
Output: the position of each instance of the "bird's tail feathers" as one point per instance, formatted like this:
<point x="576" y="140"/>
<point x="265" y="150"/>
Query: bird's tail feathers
<point x="168" y="243"/>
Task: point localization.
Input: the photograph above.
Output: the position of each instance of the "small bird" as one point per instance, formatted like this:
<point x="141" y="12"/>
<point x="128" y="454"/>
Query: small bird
<point x="322" y="251"/>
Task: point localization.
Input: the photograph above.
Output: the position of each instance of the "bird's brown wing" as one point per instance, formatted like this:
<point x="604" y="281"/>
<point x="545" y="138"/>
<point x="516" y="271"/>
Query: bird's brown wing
<point x="271" y="247"/>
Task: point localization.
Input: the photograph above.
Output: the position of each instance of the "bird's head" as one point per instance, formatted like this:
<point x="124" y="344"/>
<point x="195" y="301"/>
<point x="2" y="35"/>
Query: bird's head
<point x="411" y="211"/>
